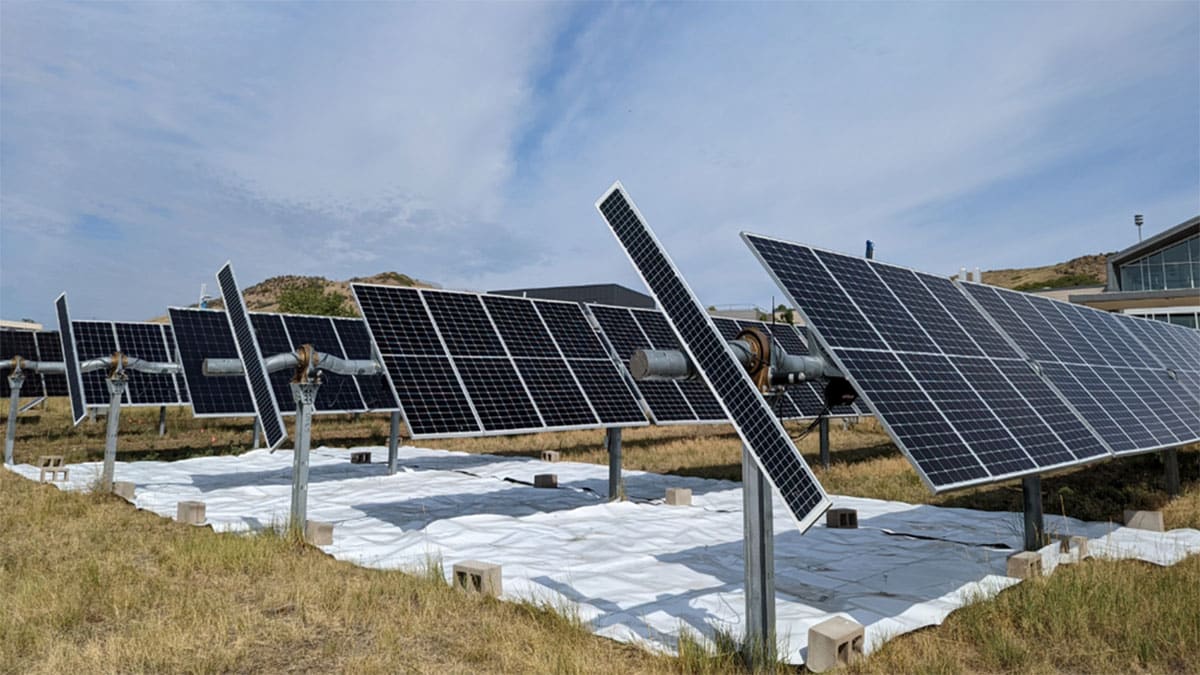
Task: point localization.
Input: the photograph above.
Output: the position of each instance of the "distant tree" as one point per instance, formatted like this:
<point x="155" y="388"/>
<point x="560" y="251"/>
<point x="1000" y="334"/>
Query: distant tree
<point x="310" y="297"/>
<point x="785" y="314"/>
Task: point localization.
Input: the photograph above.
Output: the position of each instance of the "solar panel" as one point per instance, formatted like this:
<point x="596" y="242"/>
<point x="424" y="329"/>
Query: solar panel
<point x="19" y="343"/>
<point x="70" y="359"/>
<point x="266" y="408"/>
<point x="273" y="339"/>
<point x="147" y="341"/>
<point x="754" y="421"/>
<point x="201" y="334"/>
<point x="173" y="356"/>
<point x="50" y="349"/>
<point x="956" y="397"/>
<point x="376" y="394"/>
<point x="1111" y="370"/>
<point x="96" y="339"/>
<point x="468" y="364"/>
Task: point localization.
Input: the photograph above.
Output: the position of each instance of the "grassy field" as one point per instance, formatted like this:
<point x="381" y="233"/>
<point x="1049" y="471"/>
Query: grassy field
<point x="93" y="585"/>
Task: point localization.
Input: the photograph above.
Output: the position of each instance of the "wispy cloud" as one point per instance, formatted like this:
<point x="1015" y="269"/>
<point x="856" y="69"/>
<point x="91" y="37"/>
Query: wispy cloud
<point x="467" y="143"/>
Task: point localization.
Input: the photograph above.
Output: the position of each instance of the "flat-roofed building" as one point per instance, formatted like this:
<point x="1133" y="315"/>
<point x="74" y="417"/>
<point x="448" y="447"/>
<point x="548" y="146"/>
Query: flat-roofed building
<point x="1158" y="278"/>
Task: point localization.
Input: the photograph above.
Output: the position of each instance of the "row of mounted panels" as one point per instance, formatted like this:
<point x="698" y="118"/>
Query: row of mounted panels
<point x="978" y="384"/>
<point x="43" y="345"/>
<point x="205" y="333"/>
<point x="470" y="363"/>
<point x="147" y="341"/>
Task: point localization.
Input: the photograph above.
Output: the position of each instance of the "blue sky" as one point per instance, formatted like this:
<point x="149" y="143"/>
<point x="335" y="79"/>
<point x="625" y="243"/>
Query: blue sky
<point x="143" y="145"/>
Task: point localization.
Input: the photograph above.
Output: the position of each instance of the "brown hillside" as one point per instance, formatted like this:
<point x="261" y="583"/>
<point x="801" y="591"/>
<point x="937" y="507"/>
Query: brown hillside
<point x="1087" y="270"/>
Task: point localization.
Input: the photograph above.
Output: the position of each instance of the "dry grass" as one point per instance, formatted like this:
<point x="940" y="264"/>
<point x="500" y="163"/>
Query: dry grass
<point x="115" y="589"/>
<point x="91" y="585"/>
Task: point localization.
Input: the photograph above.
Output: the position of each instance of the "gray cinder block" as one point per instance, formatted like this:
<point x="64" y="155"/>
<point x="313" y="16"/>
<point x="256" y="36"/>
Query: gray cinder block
<point x="190" y="513"/>
<point x="318" y="533"/>
<point x="123" y="489"/>
<point x="834" y="642"/>
<point x="361" y="457"/>
<point x="545" y="480"/>
<point x="1025" y="565"/>
<point x="679" y="496"/>
<point x="53" y="465"/>
<point x="550" y="455"/>
<point x="1075" y="545"/>
<point x="474" y="576"/>
<point x="1144" y="520"/>
<point x="846" y="519"/>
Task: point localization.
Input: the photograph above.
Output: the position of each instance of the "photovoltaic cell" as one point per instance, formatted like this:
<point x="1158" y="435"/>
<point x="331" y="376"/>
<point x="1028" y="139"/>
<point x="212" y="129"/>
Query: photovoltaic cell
<point x="944" y="382"/>
<point x="762" y="433"/>
<point x="356" y="341"/>
<point x="93" y="340"/>
<point x="265" y="406"/>
<point x="145" y="341"/>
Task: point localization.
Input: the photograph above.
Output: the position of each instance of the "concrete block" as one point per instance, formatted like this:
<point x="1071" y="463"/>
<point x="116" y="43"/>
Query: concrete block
<point x="318" y="533"/>
<point x="1144" y="520"/>
<point x="679" y="496"/>
<point x="845" y="519"/>
<point x="832" y="643"/>
<point x="545" y="480"/>
<point x="54" y="466"/>
<point x="123" y="489"/>
<point x="191" y="513"/>
<point x="1077" y="546"/>
<point x="474" y="576"/>
<point x="550" y="456"/>
<point x="1025" y="565"/>
<point x="361" y="457"/>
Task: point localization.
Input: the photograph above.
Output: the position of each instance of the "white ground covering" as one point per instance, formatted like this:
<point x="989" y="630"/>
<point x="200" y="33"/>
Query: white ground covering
<point x="638" y="571"/>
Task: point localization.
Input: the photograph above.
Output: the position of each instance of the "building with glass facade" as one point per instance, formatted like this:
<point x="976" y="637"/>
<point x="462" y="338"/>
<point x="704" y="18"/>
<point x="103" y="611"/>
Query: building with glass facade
<point x="1158" y="278"/>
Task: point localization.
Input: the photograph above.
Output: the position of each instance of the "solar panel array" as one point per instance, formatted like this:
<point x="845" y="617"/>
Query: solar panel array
<point x="754" y="421"/>
<point x="204" y="333"/>
<point x="49" y="345"/>
<point x="147" y="341"/>
<point x="21" y="343"/>
<point x="953" y="384"/>
<point x="469" y="364"/>
<point x="266" y="407"/>
<point x="1113" y="369"/>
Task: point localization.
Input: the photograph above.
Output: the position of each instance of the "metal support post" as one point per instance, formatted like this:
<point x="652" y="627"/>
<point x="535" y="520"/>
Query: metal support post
<point x="116" y="391"/>
<point x="824" y="433"/>
<point x="257" y="440"/>
<point x="15" y="380"/>
<point x="1035" y="524"/>
<point x="612" y="442"/>
<point x="394" y="443"/>
<point x="759" y="542"/>
<point x="162" y="421"/>
<point x="1171" y="464"/>
<point x="305" y="394"/>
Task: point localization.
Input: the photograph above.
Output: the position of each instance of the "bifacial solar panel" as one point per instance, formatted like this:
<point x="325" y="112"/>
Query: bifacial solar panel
<point x="70" y="360"/>
<point x="95" y="339"/>
<point x="201" y="334"/>
<point x="954" y="395"/>
<point x="273" y="339"/>
<point x="753" y="419"/>
<point x="266" y="408"/>
<point x="1115" y="380"/>
<point x="469" y="364"/>
<point x="50" y="349"/>
<point x="337" y="392"/>
<point x="21" y="343"/>
<point x="147" y="341"/>
<point x="699" y="397"/>
<point x="356" y="342"/>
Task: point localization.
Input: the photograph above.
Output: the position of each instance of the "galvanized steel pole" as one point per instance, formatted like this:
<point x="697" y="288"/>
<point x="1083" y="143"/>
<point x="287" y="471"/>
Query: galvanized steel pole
<point x="394" y="443"/>
<point x="116" y="391"/>
<point x="305" y="394"/>
<point x="612" y="441"/>
<point x="1035" y="525"/>
<point x="15" y="380"/>
<point x="758" y="538"/>
<point x="824" y="434"/>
